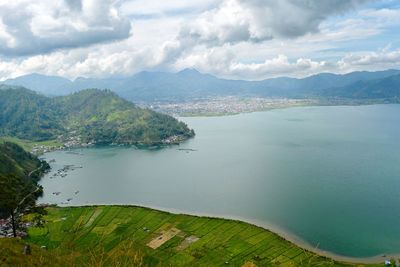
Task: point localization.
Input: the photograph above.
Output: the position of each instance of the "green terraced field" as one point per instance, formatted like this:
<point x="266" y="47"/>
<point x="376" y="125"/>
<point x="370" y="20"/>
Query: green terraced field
<point x="118" y="236"/>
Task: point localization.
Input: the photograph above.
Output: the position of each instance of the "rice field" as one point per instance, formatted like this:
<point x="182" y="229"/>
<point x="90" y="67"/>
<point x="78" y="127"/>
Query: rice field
<point x="128" y="236"/>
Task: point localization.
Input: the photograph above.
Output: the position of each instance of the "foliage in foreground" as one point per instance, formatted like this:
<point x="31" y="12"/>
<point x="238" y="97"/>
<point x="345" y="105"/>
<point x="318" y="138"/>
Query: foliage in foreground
<point x="19" y="173"/>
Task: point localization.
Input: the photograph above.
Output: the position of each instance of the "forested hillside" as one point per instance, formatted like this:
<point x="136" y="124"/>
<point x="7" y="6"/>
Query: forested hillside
<point x="15" y="161"/>
<point x="89" y="116"/>
<point x="19" y="173"/>
<point x="28" y="115"/>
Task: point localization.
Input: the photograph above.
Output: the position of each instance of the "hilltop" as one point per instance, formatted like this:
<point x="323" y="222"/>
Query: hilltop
<point x="89" y="116"/>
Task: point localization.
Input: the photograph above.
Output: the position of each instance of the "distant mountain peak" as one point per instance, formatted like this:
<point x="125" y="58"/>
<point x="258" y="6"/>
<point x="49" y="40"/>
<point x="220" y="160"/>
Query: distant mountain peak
<point x="39" y="75"/>
<point x="34" y="74"/>
<point x="81" y="78"/>
<point x="189" y="71"/>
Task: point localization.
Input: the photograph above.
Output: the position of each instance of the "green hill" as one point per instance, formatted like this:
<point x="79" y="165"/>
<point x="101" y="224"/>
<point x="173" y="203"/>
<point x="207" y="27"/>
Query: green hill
<point x="19" y="173"/>
<point x="136" y="236"/>
<point x="28" y="115"/>
<point x="15" y="161"/>
<point x="89" y="116"/>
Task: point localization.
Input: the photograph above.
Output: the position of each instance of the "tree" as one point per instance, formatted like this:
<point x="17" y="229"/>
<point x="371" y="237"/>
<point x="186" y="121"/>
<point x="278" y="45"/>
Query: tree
<point x="16" y="195"/>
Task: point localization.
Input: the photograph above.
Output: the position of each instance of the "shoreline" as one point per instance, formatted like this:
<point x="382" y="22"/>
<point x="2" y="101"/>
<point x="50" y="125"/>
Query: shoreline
<point x="286" y="235"/>
<point x="208" y="115"/>
<point x="317" y="104"/>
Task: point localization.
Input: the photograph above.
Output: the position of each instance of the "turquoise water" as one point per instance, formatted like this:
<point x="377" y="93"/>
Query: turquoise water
<point x="328" y="175"/>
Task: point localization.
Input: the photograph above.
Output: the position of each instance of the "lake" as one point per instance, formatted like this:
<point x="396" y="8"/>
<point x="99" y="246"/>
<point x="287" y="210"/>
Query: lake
<point x="329" y="176"/>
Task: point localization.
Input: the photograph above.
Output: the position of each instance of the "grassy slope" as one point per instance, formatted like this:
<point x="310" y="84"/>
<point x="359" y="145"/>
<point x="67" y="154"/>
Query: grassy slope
<point x="14" y="160"/>
<point x="27" y="144"/>
<point x="11" y="255"/>
<point x="90" y="236"/>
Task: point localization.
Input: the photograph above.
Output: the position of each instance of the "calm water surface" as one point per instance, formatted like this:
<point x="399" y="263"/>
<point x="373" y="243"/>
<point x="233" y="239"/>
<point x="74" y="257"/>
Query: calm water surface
<point x="328" y="175"/>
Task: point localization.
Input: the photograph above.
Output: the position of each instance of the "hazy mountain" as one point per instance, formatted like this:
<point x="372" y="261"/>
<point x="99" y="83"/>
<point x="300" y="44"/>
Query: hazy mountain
<point x="48" y="85"/>
<point x="387" y="88"/>
<point x="316" y="85"/>
<point x="181" y="86"/>
<point x="190" y="84"/>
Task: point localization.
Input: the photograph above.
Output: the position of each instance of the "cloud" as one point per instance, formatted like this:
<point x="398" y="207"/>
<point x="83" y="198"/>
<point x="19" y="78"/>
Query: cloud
<point x="95" y="62"/>
<point x="260" y="20"/>
<point x="37" y="27"/>
<point x="372" y="60"/>
<point x="253" y="39"/>
<point x="218" y="61"/>
<point x="151" y="9"/>
<point x="383" y="16"/>
<point x="224" y="63"/>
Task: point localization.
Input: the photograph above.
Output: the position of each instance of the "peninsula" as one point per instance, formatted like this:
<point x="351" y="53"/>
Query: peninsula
<point x="88" y="117"/>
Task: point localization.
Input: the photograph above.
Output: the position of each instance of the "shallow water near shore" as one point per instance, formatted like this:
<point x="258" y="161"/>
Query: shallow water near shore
<point x="327" y="175"/>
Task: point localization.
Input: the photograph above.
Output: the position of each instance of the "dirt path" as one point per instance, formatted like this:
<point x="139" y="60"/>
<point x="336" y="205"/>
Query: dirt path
<point x="41" y="165"/>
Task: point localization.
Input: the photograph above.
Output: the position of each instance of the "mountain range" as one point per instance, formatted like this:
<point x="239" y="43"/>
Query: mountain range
<point x="189" y="84"/>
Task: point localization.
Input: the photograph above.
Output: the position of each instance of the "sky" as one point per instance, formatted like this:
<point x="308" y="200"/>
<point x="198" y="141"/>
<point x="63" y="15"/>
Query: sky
<point x="234" y="39"/>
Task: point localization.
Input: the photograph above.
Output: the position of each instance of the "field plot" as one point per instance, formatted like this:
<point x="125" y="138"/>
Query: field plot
<point x="163" y="237"/>
<point x="136" y="236"/>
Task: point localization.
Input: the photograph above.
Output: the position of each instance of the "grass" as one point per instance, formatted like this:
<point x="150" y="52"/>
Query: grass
<point x="119" y="236"/>
<point x="11" y="255"/>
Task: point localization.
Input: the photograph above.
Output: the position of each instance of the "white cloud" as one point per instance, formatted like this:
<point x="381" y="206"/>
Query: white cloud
<point x="371" y="60"/>
<point x="96" y="61"/>
<point x="36" y="27"/>
<point x="383" y="16"/>
<point x="253" y="39"/>
<point x="225" y="64"/>
<point x="271" y="23"/>
<point x="259" y="20"/>
<point x="146" y="7"/>
<point x="218" y="61"/>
